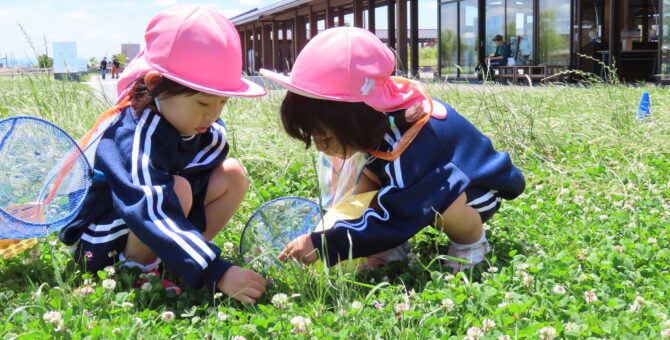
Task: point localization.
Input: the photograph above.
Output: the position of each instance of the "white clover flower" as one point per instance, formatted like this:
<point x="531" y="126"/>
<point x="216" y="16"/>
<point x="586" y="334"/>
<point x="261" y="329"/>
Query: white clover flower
<point x="468" y="337"/>
<point x="412" y="258"/>
<point x="126" y="304"/>
<point x="448" y="277"/>
<point x="300" y="323"/>
<point x="603" y="217"/>
<point x="559" y="201"/>
<point x="401" y="307"/>
<point x="534" y="206"/>
<point x="148" y="275"/>
<point x="558" y="289"/>
<point x="228" y="247"/>
<point x="108" y="284"/>
<point x="665" y="334"/>
<point x="116" y="330"/>
<point x="571" y="326"/>
<point x="146" y="286"/>
<point x="53" y="317"/>
<point x="280" y="300"/>
<point x="564" y="191"/>
<point x="652" y="240"/>
<point x="503" y="305"/>
<point x="218" y="295"/>
<point x="112" y="253"/>
<point x="597" y="209"/>
<point x="528" y="280"/>
<point x="238" y="337"/>
<point x="356" y="305"/>
<point x="488" y="324"/>
<point x="539" y="187"/>
<point x="578" y="199"/>
<point x="138" y="322"/>
<point x="667" y="323"/>
<point x="547" y="333"/>
<point x="637" y="304"/>
<point x="509" y="295"/>
<point x="221" y="316"/>
<point x="110" y="271"/>
<point x="475" y="332"/>
<point x="590" y="296"/>
<point x="493" y="269"/>
<point x="619" y="248"/>
<point x="523" y="266"/>
<point x="167" y="316"/>
<point x="84" y="290"/>
<point x="504" y="337"/>
<point x="448" y="304"/>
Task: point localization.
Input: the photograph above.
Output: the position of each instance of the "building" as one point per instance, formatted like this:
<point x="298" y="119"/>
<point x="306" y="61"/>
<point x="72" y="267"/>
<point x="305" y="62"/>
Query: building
<point x="130" y="50"/>
<point x="273" y="35"/>
<point x="631" y="35"/>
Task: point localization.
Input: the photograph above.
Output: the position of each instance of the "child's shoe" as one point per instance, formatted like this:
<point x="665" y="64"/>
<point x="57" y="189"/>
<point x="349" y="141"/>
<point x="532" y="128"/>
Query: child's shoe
<point x="146" y="277"/>
<point x="375" y="261"/>
<point x="474" y="253"/>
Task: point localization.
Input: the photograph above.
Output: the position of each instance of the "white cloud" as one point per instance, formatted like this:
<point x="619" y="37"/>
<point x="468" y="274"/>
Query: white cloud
<point x="230" y="12"/>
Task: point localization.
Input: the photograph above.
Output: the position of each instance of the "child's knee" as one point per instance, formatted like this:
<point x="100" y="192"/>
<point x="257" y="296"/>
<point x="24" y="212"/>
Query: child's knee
<point x="183" y="190"/>
<point x="237" y="173"/>
<point x="459" y="217"/>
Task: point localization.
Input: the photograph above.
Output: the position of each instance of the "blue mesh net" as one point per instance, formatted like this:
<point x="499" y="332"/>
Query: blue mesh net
<point x="44" y="178"/>
<point x="275" y="224"/>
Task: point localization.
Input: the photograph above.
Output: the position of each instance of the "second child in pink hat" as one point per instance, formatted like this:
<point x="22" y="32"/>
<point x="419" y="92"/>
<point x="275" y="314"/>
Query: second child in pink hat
<point x="429" y="164"/>
<point x="164" y="184"/>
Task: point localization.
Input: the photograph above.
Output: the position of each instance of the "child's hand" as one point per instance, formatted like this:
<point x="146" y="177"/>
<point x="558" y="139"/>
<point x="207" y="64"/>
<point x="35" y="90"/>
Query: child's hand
<point x="300" y="249"/>
<point x="242" y="284"/>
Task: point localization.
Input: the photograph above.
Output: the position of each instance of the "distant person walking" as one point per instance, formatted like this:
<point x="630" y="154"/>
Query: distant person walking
<point x="116" y="65"/>
<point x="103" y="67"/>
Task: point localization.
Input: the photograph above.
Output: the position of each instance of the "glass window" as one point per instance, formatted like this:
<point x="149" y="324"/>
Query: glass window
<point x="520" y="30"/>
<point x="554" y="32"/>
<point x="449" y="38"/>
<point x="495" y="23"/>
<point x="469" y="34"/>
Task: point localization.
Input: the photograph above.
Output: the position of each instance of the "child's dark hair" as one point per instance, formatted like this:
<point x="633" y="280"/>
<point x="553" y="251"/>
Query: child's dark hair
<point x="355" y="125"/>
<point x="142" y="97"/>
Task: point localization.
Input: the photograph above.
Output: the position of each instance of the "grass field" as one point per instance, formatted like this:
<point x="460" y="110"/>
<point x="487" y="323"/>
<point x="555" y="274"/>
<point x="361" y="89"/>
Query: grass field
<point x="584" y="253"/>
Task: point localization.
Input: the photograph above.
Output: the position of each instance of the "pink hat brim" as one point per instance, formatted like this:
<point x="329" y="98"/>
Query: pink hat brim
<point x="248" y="88"/>
<point x="286" y="82"/>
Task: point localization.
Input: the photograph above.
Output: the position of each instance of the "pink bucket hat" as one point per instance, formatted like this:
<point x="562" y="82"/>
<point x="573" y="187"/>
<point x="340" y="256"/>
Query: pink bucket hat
<point x="196" y="47"/>
<point x="351" y="64"/>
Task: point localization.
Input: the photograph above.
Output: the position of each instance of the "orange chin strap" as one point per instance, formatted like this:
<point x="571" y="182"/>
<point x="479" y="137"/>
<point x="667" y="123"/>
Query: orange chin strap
<point x="411" y="133"/>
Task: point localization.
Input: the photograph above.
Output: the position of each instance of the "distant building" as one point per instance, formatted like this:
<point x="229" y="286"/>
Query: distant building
<point x="130" y="50"/>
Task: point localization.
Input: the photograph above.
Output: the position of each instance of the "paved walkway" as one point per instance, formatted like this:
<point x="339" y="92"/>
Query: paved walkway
<point x="105" y="89"/>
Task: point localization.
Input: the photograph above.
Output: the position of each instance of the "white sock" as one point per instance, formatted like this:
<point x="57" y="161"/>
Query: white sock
<point x="471" y="245"/>
<point x="144" y="268"/>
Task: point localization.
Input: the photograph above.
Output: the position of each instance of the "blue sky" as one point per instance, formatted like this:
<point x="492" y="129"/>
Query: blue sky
<point x="100" y="27"/>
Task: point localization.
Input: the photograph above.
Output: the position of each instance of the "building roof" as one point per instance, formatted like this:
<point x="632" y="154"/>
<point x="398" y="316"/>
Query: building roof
<point x="256" y="13"/>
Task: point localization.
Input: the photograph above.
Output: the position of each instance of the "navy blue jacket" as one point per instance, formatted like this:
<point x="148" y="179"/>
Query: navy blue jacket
<point x="139" y="156"/>
<point x="446" y="157"/>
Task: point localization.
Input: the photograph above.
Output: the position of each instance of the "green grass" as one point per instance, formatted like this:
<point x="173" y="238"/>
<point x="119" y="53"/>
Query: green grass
<point x="594" y="219"/>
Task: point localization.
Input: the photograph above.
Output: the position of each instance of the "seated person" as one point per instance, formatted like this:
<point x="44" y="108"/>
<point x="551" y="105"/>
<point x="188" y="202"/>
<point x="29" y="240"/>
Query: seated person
<point x="499" y="58"/>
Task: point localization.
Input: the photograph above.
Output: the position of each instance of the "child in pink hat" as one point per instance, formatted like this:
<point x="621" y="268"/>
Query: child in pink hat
<point x="164" y="186"/>
<point x="430" y="165"/>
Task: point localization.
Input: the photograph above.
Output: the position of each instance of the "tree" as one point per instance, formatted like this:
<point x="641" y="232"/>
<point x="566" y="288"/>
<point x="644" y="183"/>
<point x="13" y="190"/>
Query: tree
<point x="121" y="58"/>
<point x="44" y="61"/>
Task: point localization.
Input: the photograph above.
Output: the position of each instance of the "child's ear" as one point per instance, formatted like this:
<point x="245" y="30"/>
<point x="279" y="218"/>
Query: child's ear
<point x="152" y="79"/>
